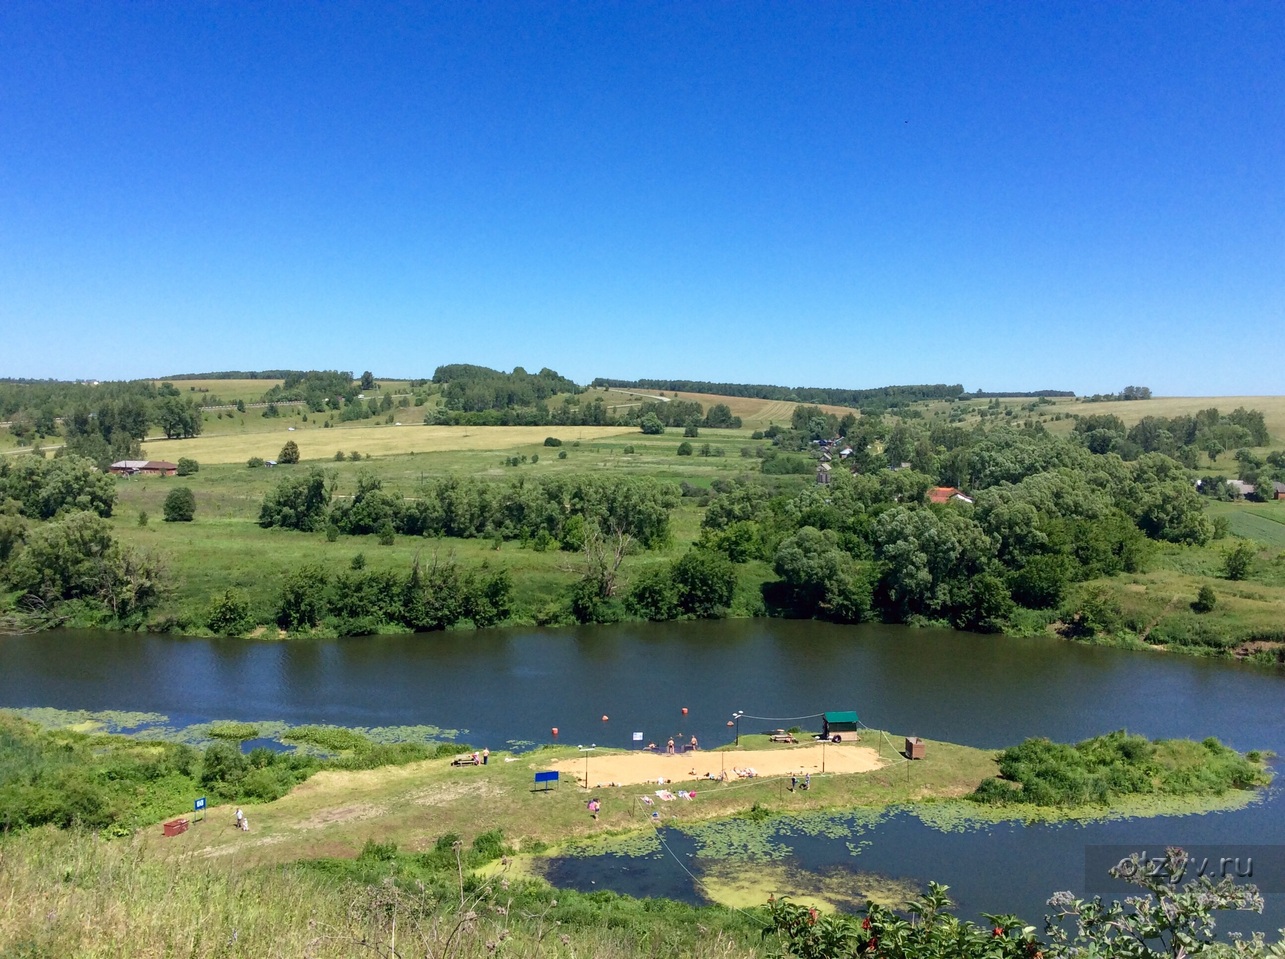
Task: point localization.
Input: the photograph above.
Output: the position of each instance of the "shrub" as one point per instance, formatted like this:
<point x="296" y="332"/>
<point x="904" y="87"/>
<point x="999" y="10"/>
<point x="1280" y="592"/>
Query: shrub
<point x="289" y="453"/>
<point x="1206" y="599"/>
<point x="229" y="615"/>
<point x="143" y="518"/>
<point x="354" y="456"/>
<point x="684" y="448"/>
<point x="691" y="432"/>
<point x="180" y="505"/>
<point x="187" y="466"/>
<point x="651" y="425"/>
<point x="562" y="454"/>
<point x="1240" y="560"/>
<point x="339" y="454"/>
<point x="552" y="441"/>
<point x="254" y="462"/>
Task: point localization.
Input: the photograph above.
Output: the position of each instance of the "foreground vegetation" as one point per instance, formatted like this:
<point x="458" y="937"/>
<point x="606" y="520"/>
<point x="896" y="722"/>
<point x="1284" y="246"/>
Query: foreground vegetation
<point x="412" y="859"/>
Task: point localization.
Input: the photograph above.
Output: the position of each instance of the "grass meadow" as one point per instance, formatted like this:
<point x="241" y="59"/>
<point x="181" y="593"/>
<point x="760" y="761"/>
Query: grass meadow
<point x="224" y="547"/>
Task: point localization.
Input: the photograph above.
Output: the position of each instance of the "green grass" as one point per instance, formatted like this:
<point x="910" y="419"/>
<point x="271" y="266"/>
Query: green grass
<point x="1262" y="522"/>
<point x="224" y="548"/>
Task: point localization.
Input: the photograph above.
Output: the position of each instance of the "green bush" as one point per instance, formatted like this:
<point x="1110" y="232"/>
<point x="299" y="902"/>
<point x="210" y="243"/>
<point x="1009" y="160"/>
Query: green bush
<point x="180" y="505"/>
<point x="684" y="448"/>
<point x="1206" y="599"/>
<point x="187" y="466"/>
<point x="229" y="615"/>
<point x="1095" y="771"/>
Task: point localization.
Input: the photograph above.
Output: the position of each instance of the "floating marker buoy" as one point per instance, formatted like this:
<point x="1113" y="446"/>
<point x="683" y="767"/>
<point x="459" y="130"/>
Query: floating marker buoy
<point x="730" y="723"/>
<point x="684" y="710"/>
<point x="604" y="717"/>
<point x="555" y="731"/>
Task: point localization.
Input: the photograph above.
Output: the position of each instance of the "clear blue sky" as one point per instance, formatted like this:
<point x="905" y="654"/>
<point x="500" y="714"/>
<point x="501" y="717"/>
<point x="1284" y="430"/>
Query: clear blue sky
<point x="1020" y="196"/>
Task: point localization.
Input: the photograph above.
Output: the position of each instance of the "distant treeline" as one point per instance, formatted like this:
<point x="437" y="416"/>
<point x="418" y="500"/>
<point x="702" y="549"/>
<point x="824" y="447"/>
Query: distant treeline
<point x="473" y="389"/>
<point x="239" y="375"/>
<point x="884" y="397"/>
<point x="1013" y="394"/>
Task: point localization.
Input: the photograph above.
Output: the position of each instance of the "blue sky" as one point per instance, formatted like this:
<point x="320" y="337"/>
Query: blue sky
<point x="1011" y="196"/>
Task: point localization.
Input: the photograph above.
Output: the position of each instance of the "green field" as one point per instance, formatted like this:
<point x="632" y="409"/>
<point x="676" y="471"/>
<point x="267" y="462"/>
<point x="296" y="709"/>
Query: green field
<point x="1262" y="522"/>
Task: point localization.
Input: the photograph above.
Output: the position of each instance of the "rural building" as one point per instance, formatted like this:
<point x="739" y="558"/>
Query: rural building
<point x="944" y="494"/>
<point x="1278" y="491"/>
<point x="839" y="725"/>
<point x="823" y="474"/>
<point x="144" y="468"/>
<point x="1241" y="488"/>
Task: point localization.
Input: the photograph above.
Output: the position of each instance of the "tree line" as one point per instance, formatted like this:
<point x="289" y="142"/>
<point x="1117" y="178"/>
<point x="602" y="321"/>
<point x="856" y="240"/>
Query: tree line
<point x="884" y="397"/>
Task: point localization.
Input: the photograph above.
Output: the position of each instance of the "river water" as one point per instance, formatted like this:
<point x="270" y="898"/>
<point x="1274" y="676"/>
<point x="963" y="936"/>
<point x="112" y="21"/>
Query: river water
<point x="513" y="686"/>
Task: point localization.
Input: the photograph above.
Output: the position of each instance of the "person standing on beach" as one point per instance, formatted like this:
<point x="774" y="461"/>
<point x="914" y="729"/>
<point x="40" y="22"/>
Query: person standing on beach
<point x="670" y="747"/>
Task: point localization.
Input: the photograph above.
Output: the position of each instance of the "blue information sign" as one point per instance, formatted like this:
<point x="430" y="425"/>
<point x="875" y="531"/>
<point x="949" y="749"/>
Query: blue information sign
<point x="199" y="804"/>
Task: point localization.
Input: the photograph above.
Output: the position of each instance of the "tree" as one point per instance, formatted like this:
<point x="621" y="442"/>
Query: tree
<point x="45" y="488"/>
<point x="303" y="598"/>
<point x="704" y="583"/>
<point x="180" y="505"/>
<point x="187" y="466"/>
<point x="298" y="502"/>
<point x="684" y="448"/>
<point x="1240" y="560"/>
<point x="1206" y="599"/>
<point x="229" y="615"/>
<point x="178" y="418"/>
<point x="289" y="453"/>
<point x="651" y="425"/>
<point x="367" y="381"/>
<point x="75" y="557"/>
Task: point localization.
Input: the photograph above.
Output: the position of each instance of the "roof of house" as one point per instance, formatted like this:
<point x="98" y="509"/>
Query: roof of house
<point x="943" y="494"/>
<point x="1241" y="487"/>
<point x="1279" y="487"/>
<point x="144" y="464"/>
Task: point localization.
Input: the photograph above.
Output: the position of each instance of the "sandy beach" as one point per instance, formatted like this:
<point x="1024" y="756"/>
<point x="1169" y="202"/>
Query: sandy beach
<point x="629" y="769"/>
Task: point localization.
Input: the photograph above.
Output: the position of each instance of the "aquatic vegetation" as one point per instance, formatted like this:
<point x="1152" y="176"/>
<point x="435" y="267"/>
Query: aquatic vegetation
<point x="234" y="731"/>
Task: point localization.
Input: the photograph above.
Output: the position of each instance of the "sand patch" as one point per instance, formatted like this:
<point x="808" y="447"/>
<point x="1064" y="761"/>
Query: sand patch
<point x="631" y="769"/>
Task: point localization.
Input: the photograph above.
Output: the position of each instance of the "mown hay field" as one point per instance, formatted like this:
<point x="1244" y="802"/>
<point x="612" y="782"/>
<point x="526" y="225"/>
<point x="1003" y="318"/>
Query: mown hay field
<point x="1131" y="411"/>
<point x="382" y="440"/>
<point x="755" y="413"/>
<point x="251" y="391"/>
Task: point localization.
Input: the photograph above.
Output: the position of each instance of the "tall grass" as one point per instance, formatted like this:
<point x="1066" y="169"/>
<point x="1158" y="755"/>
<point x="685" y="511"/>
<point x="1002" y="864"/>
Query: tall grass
<point x="75" y="895"/>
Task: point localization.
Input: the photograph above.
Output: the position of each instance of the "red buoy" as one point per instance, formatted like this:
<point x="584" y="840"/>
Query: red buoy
<point x="604" y="717"/>
<point x="555" y="732"/>
<point x="684" y="710"/>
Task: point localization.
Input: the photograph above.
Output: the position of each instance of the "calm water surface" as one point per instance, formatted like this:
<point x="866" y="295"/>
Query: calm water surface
<point x="513" y="686"/>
